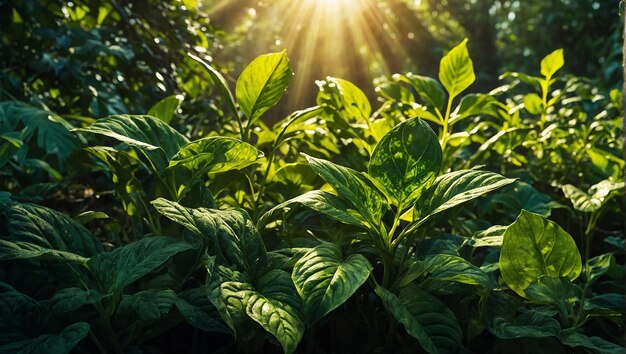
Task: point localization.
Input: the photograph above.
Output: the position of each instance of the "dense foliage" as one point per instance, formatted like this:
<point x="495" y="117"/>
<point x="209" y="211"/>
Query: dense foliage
<point x="441" y="222"/>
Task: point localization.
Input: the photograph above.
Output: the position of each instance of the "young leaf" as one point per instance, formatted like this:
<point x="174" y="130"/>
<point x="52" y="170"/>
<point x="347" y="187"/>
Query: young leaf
<point x="353" y="187"/>
<point x="406" y="161"/>
<point x="273" y="303"/>
<point x="534" y="246"/>
<point x="262" y="84"/>
<point x="456" y="70"/>
<point x="455" y="188"/>
<point x="325" y="280"/>
<point x="214" y="154"/>
<point x="425" y="318"/>
<point x="474" y="105"/>
<point x="124" y="265"/>
<point x="346" y="97"/>
<point x="155" y="138"/>
<point x="166" y="108"/>
<point x="444" y="268"/>
<point x="551" y="63"/>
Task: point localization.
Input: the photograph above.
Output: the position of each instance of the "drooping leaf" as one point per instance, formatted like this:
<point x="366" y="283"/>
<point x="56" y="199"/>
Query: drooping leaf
<point x="27" y="250"/>
<point x="455" y="188"/>
<point x="406" y="160"/>
<point x="322" y="202"/>
<point x="325" y="280"/>
<point x="530" y="324"/>
<point x="273" y="303"/>
<point x="559" y="292"/>
<point x="262" y="83"/>
<point x="116" y="269"/>
<point x="456" y="70"/>
<point x="61" y="343"/>
<point x="474" y="105"/>
<point x="46" y="229"/>
<point x="71" y="299"/>
<point x="155" y="138"/>
<point x="442" y="269"/>
<point x="238" y="241"/>
<point x="596" y="344"/>
<point x="353" y="187"/>
<point x="425" y="318"/>
<point x="534" y="246"/>
<point x="599" y="194"/>
<point x="166" y="108"/>
<point x="213" y="155"/>
<point x="551" y="63"/>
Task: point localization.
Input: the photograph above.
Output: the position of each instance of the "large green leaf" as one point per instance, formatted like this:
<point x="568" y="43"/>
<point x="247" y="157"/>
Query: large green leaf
<point x="273" y="303"/>
<point x="345" y="97"/>
<point x="406" y="161"/>
<point x="551" y="63"/>
<point x="27" y="250"/>
<point x="325" y="280"/>
<point x="154" y="137"/>
<point x="116" y="269"/>
<point x="46" y="229"/>
<point x="455" y="188"/>
<point x="238" y="241"/>
<point x="60" y="343"/>
<point x="262" y="84"/>
<point x="456" y="70"/>
<point x="425" y="318"/>
<point x="214" y="154"/>
<point x="18" y="315"/>
<point x="534" y="246"/>
<point x="71" y="299"/>
<point x="322" y="202"/>
<point x="353" y="187"/>
<point x="559" y="292"/>
<point x="166" y="108"/>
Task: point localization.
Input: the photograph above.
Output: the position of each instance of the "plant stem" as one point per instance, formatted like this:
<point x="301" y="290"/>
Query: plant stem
<point x="445" y="132"/>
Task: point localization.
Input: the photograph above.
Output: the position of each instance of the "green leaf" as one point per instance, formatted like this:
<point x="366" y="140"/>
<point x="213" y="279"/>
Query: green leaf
<point x="119" y="268"/>
<point x="427" y="88"/>
<point x="61" y="343"/>
<point x="194" y="305"/>
<point x="530" y="324"/>
<point x="534" y="246"/>
<point x="353" y="187"/>
<point x="26" y="250"/>
<point x="322" y="202"/>
<point x="533" y="103"/>
<point x="166" y="108"/>
<point x="238" y="241"/>
<point x="492" y="237"/>
<point x="46" y="229"/>
<point x="273" y="303"/>
<point x="559" y="292"/>
<point x="596" y="344"/>
<point x="473" y="105"/>
<point x="344" y="96"/>
<point x="71" y="299"/>
<point x="453" y="189"/>
<point x="221" y="83"/>
<point x="262" y="84"/>
<point x="443" y="269"/>
<point x="599" y="194"/>
<point x="325" y="280"/>
<point x="598" y="266"/>
<point x="19" y="315"/>
<point x="425" y="318"/>
<point x="456" y="70"/>
<point x="155" y="138"/>
<point x="213" y="155"/>
<point x="551" y="63"/>
<point x="406" y="161"/>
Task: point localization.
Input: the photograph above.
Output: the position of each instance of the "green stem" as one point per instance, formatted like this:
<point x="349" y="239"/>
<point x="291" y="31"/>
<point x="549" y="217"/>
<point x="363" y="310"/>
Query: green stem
<point x="270" y="160"/>
<point x="96" y="342"/>
<point x="446" y="126"/>
<point x="106" y="322"/>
